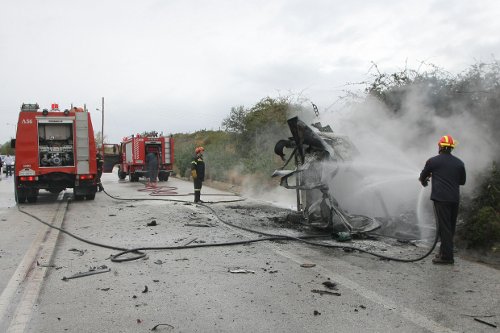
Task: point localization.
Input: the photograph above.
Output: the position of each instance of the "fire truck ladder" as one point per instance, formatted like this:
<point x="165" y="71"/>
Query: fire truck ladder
<point x="82" y="143"/>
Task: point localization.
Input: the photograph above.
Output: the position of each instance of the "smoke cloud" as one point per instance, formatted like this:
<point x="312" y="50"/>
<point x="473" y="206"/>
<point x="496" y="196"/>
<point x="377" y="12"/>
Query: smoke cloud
<point x="382" y="179"/>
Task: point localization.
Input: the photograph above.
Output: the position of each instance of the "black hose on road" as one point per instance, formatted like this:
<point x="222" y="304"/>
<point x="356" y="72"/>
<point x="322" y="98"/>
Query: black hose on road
<point x="269" y="237"/>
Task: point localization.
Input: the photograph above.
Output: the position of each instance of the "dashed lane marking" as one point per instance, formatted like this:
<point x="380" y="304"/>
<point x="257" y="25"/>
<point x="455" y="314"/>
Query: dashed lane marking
<point x="32" y="276"/>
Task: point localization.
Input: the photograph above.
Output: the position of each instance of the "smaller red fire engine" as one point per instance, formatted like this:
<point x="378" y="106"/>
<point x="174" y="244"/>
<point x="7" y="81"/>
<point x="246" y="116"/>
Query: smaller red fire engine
<point x="132" y="156"/>
<point x="55" y="150"/>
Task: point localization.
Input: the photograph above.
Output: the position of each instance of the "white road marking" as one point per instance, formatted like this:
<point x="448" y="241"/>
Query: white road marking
<point x="42" y="246"/>
<point x="404" y="312"/>
<point x="21" y="272"/>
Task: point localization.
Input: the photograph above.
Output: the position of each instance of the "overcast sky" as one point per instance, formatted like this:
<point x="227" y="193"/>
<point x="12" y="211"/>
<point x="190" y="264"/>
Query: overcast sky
<point x="179" y="66"/>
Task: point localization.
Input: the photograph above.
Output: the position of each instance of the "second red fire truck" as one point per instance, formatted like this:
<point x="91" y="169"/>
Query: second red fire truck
<point x="132" y="156"/>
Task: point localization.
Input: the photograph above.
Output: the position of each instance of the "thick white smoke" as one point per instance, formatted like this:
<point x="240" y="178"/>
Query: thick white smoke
<point x="382" y="179"/>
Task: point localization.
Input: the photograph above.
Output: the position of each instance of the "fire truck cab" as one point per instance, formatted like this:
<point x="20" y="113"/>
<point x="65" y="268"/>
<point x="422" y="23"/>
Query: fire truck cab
<point x="133" y="150"/>
<point x="55" y="150"/>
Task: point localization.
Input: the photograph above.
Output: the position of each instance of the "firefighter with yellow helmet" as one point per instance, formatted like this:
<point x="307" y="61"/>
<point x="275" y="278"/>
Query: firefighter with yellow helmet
<point x="447" y="173"/>
<point x="198" y="172"/>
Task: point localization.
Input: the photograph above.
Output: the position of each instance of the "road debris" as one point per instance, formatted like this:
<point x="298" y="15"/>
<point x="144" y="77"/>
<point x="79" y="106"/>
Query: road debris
<point x="307" y="265"/>
<point x="190" y="241"/>
<point x="44" y="265"/>
<point x="325" y="292"/>
<point x="201" y="225"/>
<point x="152" y="223"/>
<point x="330" y="285"/>
<point x="90" y="272"/>
<point x="317" y="313"/>
<point x="158" y="262"/>
<point x="156" y="326"/>
<point x="241" y="271"/>
<point x="485" y="322"/>
<point x="145" y="289"/>
<point x="93" y="268"/>
<point x="80" y="252"/>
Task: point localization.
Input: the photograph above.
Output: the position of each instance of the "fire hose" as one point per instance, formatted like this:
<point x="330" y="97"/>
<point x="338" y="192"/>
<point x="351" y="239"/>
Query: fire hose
<point x="269" y="237"/>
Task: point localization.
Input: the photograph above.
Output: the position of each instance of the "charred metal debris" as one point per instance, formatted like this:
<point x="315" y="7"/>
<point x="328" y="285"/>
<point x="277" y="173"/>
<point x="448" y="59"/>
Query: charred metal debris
<point x="312" y="150"/>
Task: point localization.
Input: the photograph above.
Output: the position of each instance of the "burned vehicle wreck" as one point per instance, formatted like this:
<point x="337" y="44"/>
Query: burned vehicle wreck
<point x="313" y="162"/>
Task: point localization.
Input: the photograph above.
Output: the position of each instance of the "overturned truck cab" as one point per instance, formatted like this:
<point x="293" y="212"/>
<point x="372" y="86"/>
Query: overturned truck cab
<point x="315" y="153"/>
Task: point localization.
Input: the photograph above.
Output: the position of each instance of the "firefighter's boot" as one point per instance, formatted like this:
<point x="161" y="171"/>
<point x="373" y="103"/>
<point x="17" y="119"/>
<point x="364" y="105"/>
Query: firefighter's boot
<point x="197" y="196"/>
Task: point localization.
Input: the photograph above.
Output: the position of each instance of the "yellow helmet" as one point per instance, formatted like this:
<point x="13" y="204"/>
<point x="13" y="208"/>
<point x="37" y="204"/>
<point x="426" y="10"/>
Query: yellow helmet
<point x="446" y="141"/>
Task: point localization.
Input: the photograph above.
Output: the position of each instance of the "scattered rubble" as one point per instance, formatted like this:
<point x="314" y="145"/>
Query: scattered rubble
<point x="325" y="292"/>
<point x="92" y="271"/>
<point x="330" y="285"/>
<point x="80" y="252"/>
<point x="156" y="326"/>
<point x="241" y="271"/>
<point x="307" y="265"/>
<point x="485" y="322"/>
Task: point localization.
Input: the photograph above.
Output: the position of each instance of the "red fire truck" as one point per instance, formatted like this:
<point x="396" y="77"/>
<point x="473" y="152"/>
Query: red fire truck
<point x="133" y="150"/>
<point x="55" y="150"/>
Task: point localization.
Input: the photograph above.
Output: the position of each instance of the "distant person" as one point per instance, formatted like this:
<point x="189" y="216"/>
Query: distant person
<point x="447" y="173"/>
<point x="152" y="165"/>
<point x="1" y="164"/>
<point x="100" y="165"/>
<point x="9" y="165"/>
<point x="198" y="172"/>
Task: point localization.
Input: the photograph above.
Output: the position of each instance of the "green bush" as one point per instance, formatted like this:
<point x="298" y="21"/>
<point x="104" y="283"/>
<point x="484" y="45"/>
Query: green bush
<point x="482" y="224"/>
<point x="483" y="228"/>
<point x="245" y="147"/>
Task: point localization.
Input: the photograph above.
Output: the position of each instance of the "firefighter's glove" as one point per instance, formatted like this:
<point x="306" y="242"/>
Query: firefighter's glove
<point x="424" y="182"/>
<point x="193" y="174"/>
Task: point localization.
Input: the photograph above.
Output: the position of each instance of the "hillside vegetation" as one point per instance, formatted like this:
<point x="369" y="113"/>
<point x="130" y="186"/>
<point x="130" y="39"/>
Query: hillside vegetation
<point x="244" y="148"/>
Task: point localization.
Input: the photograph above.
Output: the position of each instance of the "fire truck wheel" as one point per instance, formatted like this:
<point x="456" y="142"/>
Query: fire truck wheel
<point x="121" y="175"/>
<point x="134" y="177"/>
<point x="90" y="196"/>
<point x="32" y="198"/>
<point x="78" y="197"/>
<point x="20" y="196"/>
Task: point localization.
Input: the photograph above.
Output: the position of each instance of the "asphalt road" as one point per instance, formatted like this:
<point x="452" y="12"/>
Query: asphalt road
<point x="257" y="287"/>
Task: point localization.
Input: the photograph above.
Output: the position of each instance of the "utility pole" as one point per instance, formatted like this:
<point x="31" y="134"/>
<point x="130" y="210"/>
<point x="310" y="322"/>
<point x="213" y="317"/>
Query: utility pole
<point x="102" y="127"/>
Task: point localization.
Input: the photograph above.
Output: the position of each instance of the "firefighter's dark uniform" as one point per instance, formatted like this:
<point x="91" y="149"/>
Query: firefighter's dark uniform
<point x="448" y="173"/>
<point x="152" y="164"/>
<point x="198" y="174"/>
<point x="100" y="165"/>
